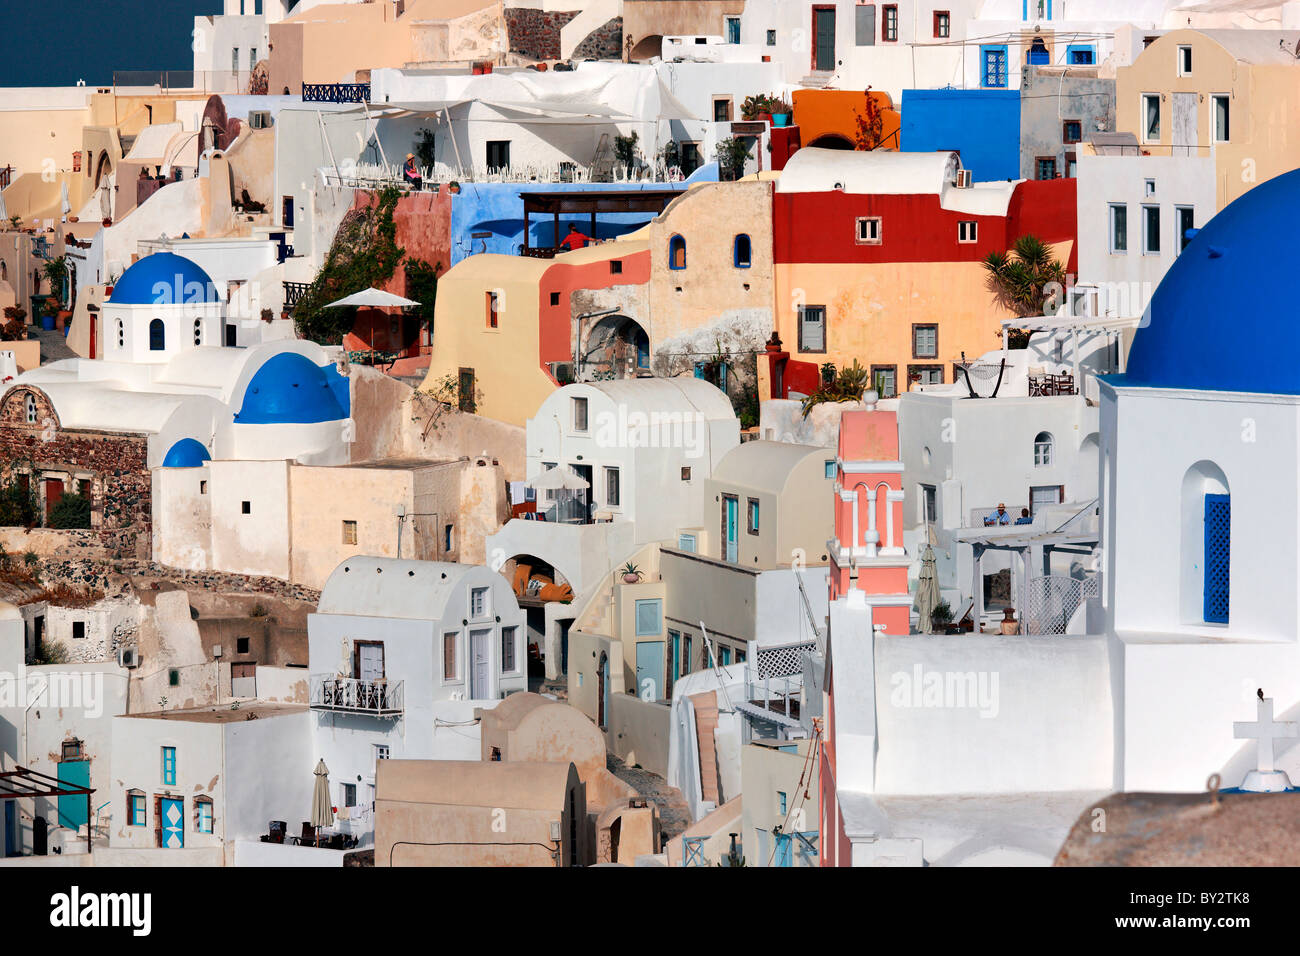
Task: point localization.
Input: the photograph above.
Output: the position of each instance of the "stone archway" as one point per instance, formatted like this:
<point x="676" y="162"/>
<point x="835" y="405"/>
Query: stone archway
<point x="615" y="346"/>
<point x="831" y="141"/>
<point x="102" y="168"/>
<point x="646" y="48"/>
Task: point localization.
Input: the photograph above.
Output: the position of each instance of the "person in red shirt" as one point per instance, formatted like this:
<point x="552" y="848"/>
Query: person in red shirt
<point x="575" y="239"/>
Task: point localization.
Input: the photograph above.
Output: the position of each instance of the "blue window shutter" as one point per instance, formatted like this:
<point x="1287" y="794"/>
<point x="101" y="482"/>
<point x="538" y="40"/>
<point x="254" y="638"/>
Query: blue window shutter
<point x="1218" y="534"/>
<point x="649" y="616"/>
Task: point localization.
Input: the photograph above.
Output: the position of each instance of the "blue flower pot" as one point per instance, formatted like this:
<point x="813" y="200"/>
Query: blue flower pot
<point x="780" y="119"/>
<point x="47" y="323"/>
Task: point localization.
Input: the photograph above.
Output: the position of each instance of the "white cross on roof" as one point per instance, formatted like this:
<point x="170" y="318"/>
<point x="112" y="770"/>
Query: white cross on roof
<point x="1264" y="730"/>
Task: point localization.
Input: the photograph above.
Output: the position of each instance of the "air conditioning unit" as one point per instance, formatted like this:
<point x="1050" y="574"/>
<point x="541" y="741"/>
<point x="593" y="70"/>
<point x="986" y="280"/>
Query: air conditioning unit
<point x="217" y="651"/>
<point x="128" y="657"/>
<point x="963" y="179"/>
<point x="259" y="119"/>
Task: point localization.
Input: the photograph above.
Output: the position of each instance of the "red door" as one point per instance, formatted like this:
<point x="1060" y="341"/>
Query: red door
<point x="53" y="492"/>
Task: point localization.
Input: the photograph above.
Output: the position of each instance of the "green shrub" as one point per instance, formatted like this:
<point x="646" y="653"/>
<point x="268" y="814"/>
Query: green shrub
<point x="71" y="511"/>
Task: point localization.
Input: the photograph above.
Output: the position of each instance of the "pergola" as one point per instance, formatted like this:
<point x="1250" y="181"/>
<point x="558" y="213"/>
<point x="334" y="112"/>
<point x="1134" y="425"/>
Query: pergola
<point x="1034" y="548"/>
<point x="591" y="203"/>
<point x="21" y="783"/>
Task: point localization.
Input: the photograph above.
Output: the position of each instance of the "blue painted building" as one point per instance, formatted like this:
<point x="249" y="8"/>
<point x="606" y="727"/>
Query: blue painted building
<point x="489" y="217"/>
<point x="982" y="125"/>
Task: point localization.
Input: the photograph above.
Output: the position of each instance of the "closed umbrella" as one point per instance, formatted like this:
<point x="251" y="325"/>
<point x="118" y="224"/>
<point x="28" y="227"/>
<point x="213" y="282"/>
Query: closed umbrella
<point x="322" y="814"/>
<point x="927" y="591"/>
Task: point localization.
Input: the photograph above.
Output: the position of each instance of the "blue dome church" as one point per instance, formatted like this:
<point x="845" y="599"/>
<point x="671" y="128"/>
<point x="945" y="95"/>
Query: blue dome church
<point x="160" y="306"/>
<point x="1199" y="499"/>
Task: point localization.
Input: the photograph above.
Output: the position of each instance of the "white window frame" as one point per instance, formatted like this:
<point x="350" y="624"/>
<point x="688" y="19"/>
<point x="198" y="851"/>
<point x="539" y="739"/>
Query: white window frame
<point x="514" y="649"/>
<point x="1113" y="207"/>
<point x="930" y="329"/>
<point x="1146" y="229"/>
<point x="968" y="230"/>
<point x="1184" y="54"/>
<point x="612" y="471"/>
<point x="873" y="228"/>
<point x="474" y="593"/>
<point x="1044" y="451"/>
<point x="1142" y="118"/>
<point x="1214" y="117"/>
<point x="586" y="413"/>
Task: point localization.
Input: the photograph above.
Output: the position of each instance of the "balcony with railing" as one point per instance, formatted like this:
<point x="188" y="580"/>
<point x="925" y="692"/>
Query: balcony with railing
<point x="349" y="695"/>
<point x="336" y="92"/>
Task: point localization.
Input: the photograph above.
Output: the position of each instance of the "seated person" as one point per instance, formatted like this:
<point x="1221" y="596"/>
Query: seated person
<point x="575" y="239"/>
<point x="411" y="172"/>
<point x="1001" y="516"/>
<point x="1024" y="517"/>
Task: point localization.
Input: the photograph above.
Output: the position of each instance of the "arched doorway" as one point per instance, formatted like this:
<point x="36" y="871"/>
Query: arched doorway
<point x="102" y="168"/>
<point x="646" y="48"/>
<point x="617" y="346"/>
<point x="831" y="141"/>
<point x="536" y="584"/>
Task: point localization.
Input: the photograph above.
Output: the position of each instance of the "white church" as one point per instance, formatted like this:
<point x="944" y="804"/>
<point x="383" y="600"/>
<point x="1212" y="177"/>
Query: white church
<point x="979" y="749"/>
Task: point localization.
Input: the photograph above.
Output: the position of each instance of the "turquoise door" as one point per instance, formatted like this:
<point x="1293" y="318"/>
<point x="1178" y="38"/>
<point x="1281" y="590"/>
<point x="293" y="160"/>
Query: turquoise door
<point x="732" y="529"/>
<point x="172" y="811"/>
<point x="649" y="669"/>
<point x="72" y="810"/>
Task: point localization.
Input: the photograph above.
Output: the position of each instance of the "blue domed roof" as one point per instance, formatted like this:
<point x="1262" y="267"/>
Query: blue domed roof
<point x="289" y="389"/>
<point x="186" y="453"/>
<point x="163" y="278"/>
<point x="1221" y="319"/>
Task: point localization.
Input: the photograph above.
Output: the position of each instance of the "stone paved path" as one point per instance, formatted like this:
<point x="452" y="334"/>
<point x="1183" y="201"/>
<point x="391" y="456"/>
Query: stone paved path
<point x="674" y="815"/>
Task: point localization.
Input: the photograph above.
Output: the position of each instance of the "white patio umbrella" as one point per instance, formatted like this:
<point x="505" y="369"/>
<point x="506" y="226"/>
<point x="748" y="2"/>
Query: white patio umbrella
<point x="322" y="814"/>
<point x="374" y="298"/>
<point x="927" y="591"/>
<point x="561" y="477"/>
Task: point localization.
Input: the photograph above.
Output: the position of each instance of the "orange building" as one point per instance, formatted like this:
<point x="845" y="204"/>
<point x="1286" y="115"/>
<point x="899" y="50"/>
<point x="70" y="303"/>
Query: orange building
<point x="829" y="118"/>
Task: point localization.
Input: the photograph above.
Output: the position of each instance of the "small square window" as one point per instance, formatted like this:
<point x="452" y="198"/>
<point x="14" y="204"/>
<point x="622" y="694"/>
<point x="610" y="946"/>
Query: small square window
<point x="1071" y="131"/>
<point x="1045" y="167"/>
<point x="173" y="678"/>
<point x="349" y="532"/>
<point x="78" y="630"/>
<point x="615" y="266"/>
<point x="72" y="750"/>
<point x="478" y="603"/>
<point x="579" y="414"/>
<point x="135" y="809"/>
<point x="349" y="794"/>
<point x="942" y="24"/>
<point x="967" y="230"/>
<point x="381" y="751"/>
<point x="203" y="487"/>
<point x="830" y="469"/>
<point x="771" y="38"/>
<point x="1184" y="61"/>
<point x="686" y="542"/>
<point x="246" y="507"/>
<point x="555" y="298"/>
<point x="1149" y="187"/>
<point x="649" y="617"/>
<point x="241" y="645"/>
<point x="925" y="341"/>
<point x="868" y="230"/>
<point x="889" y="23"/>
<point x="686" y="473"/>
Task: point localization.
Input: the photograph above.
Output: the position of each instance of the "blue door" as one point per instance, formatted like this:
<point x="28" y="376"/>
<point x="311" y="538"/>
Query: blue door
<point x="72" y="810"/>
<point x="649" y="669"/>
<point x="172" y="811"/>
<point x="1218" y="534"/>
<point x="784" y="855"/>
<point x="733" y="523"/>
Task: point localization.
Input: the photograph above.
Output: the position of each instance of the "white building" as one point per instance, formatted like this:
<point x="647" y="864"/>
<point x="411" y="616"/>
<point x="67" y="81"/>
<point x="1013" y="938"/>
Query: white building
<point x="401" y="652"/>
<point x="1134" y="213"/>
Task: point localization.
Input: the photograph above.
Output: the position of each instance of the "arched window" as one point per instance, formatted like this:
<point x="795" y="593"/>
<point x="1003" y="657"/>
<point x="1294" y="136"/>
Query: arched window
<point x="157" y="336"/>
<point x="741" y="250"/>
<point x="198" y="331"/>
<point x="1207" y="539"/>
<point x="676" y="253"/>
<point x="4" y="271"/>
<point x="1043" y="449"/>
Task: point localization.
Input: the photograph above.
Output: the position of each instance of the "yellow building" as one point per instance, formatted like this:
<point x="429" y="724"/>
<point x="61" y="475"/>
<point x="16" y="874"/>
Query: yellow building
<point x="506" y="328"/>
<point x="1234" y="94"/>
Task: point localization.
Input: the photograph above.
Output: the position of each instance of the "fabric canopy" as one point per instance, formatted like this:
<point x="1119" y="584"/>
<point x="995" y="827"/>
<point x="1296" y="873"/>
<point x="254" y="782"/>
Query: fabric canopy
<point x="376" y="298"/>
<point x="555" y="479"/>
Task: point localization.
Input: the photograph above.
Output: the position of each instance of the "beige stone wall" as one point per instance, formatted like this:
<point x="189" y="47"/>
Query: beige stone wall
<point x="711" y="304"/>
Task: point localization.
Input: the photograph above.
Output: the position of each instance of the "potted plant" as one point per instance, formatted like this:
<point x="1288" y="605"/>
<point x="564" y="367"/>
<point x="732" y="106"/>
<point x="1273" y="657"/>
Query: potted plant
<point x="782" y="111"/>
<point x="631" y="573"/>
<point x="453" y="188"/>
<point x="828" y="373"/>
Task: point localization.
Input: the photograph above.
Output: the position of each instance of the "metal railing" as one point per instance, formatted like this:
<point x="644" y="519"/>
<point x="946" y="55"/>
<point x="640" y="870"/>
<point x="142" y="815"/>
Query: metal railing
<point x="336" y="92"/>
<point x="293" y="291"/>
<point x="207" y="81"/>
<point x="350" y="695"/>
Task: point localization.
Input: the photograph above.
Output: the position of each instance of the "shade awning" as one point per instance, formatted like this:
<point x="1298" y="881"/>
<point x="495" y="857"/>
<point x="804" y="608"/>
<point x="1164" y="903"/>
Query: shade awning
<point x="555" y="479"/>
<point x="375" y="298"/>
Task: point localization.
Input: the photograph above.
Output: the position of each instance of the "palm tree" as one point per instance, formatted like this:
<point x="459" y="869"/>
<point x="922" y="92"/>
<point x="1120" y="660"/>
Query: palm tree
<point x="1019" y="278"/>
